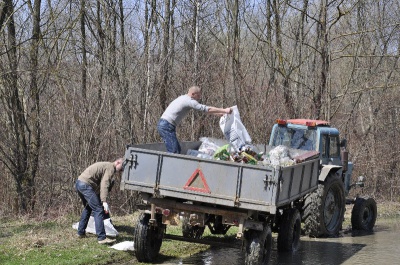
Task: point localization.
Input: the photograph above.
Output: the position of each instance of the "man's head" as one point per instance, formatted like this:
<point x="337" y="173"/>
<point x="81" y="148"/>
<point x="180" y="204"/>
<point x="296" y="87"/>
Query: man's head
<point x="118" y="164"/>
<point x="195" y="92"/>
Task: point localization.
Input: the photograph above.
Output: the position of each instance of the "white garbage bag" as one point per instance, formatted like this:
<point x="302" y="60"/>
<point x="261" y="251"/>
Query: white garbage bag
<point x="279" y="156"/>
<point x="124" y="246"/>
<point x="207" y="146"/>
<point x="234" y="130"/>
<point x="109" y="227"/>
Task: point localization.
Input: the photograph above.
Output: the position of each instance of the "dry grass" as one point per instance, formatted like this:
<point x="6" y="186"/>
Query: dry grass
<point x="388" y="209"/>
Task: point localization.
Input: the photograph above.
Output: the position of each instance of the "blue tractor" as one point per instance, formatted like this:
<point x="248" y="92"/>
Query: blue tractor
<point x="323" y="210"/>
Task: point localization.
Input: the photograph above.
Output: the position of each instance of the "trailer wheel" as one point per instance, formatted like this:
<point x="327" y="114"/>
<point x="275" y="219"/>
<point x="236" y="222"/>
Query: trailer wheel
<point x="190" y="231"/>
<point x="289" y="230"/>
<point x="147" y="238"/>
<point x="258" y="246"/>
<point x="323" y="210"/>
<point x="363" y="215"/>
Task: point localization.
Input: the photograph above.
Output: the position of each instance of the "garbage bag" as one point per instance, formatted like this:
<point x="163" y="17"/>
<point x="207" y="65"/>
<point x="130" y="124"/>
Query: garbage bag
<point x="109" y="227"/>
<point x="234" y="130"/>
<point x="199" y="154"/>
<point x="223" y="153"/>
<point x="279" y="156"/>
<point x="207" y="146"/>
<point x="125" y="246"/>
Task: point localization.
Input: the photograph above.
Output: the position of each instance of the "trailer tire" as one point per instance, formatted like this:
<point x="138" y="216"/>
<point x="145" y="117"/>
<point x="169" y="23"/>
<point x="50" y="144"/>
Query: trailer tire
<point x="289" y="230"/>
<point x="363" y="215"/>
<point x="190" y="231"/>
<point x="147" y="239"/>
<point x="323" y="210"/>
<point x="258" y="246"/>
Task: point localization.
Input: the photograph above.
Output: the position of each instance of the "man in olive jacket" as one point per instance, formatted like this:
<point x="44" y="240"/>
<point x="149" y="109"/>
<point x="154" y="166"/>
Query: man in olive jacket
<point x="93" y="186"/>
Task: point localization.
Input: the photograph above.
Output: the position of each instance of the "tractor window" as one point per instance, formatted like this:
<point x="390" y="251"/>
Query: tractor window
<point x="334" y="146"/>
<point x="282" y="137"/>
<point x="324" y="144"/>
<point x="295" y="138"/>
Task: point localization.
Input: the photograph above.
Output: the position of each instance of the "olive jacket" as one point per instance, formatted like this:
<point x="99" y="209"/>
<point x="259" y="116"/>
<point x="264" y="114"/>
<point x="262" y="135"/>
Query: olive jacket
<point x="100" y="176"/>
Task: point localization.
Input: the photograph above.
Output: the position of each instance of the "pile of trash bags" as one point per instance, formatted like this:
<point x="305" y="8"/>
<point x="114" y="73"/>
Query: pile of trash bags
<point x="246" y="154"/>
<point x="240" y="149"/>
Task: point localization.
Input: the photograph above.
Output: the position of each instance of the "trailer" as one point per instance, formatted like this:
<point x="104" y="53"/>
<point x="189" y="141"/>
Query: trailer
<point x="197" y="192"/>
<point x="217" y="194"/>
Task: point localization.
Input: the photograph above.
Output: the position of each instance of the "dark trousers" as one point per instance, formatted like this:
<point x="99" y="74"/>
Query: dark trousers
<point x="92" y="203"/>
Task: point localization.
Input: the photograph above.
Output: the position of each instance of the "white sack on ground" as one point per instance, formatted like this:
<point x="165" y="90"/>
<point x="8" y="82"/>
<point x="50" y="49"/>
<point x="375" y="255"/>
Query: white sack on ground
<point x="234" y="130"/>
<point x="124" y="246"/>
<point x="109" y="227"/>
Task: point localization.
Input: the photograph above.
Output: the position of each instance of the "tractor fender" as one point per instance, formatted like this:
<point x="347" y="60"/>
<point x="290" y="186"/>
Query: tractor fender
<point x="326" y="170"/>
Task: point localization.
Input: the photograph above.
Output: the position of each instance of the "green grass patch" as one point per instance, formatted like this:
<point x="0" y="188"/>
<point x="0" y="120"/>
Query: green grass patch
<point x="55" y="242"/>
<point x="30" y="241"/>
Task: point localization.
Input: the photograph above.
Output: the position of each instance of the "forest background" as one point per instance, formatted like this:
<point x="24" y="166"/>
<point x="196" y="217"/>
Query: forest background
<point x="81" y="79"/>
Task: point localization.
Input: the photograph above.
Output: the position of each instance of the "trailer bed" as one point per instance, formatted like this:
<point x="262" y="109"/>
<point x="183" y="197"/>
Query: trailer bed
<point x="160" y="174"/>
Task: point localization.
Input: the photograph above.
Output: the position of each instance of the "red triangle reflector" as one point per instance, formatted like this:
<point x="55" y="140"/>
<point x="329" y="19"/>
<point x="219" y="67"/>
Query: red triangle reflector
<point x="197" y="182"/>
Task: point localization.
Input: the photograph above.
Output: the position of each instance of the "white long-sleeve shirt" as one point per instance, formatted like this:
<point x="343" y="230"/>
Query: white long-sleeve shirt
<point x="179" y="108"/>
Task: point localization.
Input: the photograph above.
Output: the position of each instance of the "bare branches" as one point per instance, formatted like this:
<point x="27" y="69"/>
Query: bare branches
<point x="81" y="79"/>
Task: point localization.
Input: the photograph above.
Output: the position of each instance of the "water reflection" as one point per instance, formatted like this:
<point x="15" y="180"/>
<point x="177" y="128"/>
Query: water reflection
<point x="379" y="247"/>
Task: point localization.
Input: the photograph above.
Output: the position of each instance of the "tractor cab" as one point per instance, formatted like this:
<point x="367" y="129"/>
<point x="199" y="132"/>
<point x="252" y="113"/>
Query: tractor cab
<point x="310" y="135"/>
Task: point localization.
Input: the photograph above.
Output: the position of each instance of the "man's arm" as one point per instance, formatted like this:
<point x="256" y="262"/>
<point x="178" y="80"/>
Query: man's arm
<point x="219" y="111"/>
<point x="105" y="184"/>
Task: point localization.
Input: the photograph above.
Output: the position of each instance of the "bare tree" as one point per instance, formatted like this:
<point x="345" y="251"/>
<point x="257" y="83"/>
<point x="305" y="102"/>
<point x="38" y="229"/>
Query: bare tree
<point x="84" y="55"/>
<point x="22" y="105"/>
<point x="165" y="56"/>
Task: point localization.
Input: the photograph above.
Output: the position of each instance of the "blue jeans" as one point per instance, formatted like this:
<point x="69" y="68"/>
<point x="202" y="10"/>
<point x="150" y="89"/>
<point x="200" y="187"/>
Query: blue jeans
<point x="91" y="202"/>
<point x="167" y="132"/>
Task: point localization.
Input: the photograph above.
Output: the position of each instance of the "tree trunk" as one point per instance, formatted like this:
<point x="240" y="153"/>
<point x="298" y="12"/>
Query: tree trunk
<point x="20" y="147"/>
<point x="84" y="56"/>
<point x="164" y="56"/>
<point x="145" y="94"/>
<point x="236" y="71"/>
<point x="100" y="53"/>
<point x="16" y="162"/>
<point x="35" y="110"/>
<point x="127" y="127"/>
<point x="322" y="89"/>
<point x="287" y="93"/>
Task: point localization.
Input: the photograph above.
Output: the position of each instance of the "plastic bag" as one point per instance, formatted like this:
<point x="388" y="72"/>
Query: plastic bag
<point x="234" y="130"/>
<point x="109" y="227"/>
<point x="223" y="153"/>
<point x="199" y="154"/>
<point x="124" y="246"/>
<point x="279" y="156"/>
<point x="207" y="146"/>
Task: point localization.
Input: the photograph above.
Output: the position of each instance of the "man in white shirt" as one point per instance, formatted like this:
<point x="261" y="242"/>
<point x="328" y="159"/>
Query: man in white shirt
<point x="177" y="110"/>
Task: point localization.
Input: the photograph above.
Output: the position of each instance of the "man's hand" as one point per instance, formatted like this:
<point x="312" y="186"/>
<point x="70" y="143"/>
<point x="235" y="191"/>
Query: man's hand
<point x="106" y="208"/>
<point x="228" y="110"/>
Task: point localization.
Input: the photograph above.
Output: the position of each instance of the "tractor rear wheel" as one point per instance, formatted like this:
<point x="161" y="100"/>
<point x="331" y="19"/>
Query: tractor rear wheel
<point x="323" y="210"/>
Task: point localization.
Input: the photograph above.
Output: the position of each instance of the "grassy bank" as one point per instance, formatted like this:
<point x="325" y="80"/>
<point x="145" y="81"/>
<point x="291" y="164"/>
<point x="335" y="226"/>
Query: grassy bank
<point x="29" y="241"/>
<point x="55" y="242"/>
